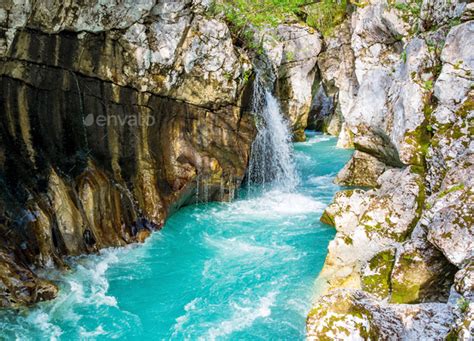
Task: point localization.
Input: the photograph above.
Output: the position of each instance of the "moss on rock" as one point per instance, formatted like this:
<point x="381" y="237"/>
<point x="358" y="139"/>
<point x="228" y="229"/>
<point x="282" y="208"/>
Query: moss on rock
<point x="327" y="219"/>
<point x="420" y="273"/>
<point x="408" y="289"/>
<point x="376" y="274"/>
<point x="340" y="316"/>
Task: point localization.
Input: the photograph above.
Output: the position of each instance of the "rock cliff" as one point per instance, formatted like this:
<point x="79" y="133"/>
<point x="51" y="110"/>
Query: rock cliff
<point x="292" y="50"/>
<point x="111" y="118"/>
<point x="400" y="266"/>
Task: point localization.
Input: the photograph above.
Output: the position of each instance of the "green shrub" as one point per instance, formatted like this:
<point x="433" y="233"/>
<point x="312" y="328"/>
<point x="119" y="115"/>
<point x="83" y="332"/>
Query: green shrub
<point x="326" y="15"/>
<point x="244" y="15"/>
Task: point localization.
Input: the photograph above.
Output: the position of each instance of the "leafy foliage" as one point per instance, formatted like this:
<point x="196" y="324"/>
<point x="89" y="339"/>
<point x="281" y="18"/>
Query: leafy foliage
<point x="326" y="15"/>
<point x="463" y="304"/>
<point x="246" y="15"/>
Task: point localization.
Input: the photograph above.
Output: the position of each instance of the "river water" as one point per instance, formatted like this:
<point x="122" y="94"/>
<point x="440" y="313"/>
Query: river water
<point x="242" y="270"/>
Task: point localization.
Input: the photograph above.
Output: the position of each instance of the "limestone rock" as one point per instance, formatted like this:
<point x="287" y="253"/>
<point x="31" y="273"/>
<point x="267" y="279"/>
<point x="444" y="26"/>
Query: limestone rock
<point x="162" y="51"/>
<point x="368" y="222"/>
<point x="376" y="143"/>
<point x="353" y="314"/>
<point x="20" y="286"/>
<point x="345" y="314"/>
<point x="345" y="139"/>
<point x="383" y="81"/>
<point x="292" y="52"/>
<point x="453" y="118"/>
<point x="414" y="106"/>
<point x="376" y="274"/>
<point x="463" y="326"/>
<point x="336" y="66"/>
<point x="450" y="219"/>
<point x="209" y="72"/>
<point x="421" y="273"/>
<point x="464" y="281"/>
<point x="391" y="101"/>
<point x="56" y="16"/>
<point x="321" y="116"/>
<point x="114" y="117"/>
<point x="439" y="12"/>
<point x="454" y="82"/>
<point x="13" y="15"/>
<point x="345" y="209"/>
<point x="451" y="141"/>
<point x="362" y="170"/>
<point x="396" y="206"/>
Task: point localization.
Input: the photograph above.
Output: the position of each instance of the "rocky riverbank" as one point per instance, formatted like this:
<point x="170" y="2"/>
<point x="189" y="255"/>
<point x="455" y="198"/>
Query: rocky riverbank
<point x="401" y="264"/>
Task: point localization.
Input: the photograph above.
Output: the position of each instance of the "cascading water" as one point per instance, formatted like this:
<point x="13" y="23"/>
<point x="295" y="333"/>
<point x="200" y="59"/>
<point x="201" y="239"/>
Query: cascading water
<point x="271" y="158"/>
<point x="242" y="270"/>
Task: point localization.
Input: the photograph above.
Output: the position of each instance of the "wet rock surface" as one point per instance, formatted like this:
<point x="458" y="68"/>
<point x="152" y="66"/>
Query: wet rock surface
<point x="112" y="118"/>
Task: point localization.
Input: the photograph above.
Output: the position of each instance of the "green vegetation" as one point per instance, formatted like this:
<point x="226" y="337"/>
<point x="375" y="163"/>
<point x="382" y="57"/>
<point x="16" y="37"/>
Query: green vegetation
<point x="327" y="14"/>
<point x="463" y="304"/>
<point x="458" y="64"/>
<point x="428" y="85"/>
<point x="407" y="283"/>
<point x="380" y="266"/>
<point x="403" y="56"/>
<point x="327" y="219"/>
<point x="244" y="16"/>
<point x="410" y="11"/>
<point x="247" y="75"/>
<point x="409" y="8"/>
<point x="290" y="56"/>
<point x="452" y="189"/>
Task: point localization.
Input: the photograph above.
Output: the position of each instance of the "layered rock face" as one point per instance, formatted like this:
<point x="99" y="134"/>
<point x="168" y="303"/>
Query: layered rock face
<point x="401" y="264"/>
<point x="111" y="118"/>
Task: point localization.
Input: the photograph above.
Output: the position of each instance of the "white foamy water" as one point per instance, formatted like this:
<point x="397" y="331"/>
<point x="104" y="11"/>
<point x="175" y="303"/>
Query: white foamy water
<point x="91" y="335"/>
<point x="181" y="320"/>
<point x="322" y="180"/>
<point x="315" y="140"/>
<point x="86" y="287"/>
<point x="233" y="247"/>
<point x="244" y="315"/>
<point x="270" y="205"/>
<point x="271" y="158"/>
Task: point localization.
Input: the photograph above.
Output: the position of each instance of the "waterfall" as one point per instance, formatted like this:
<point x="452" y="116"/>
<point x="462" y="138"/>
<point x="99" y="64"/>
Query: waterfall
<point x="271" y="160"/>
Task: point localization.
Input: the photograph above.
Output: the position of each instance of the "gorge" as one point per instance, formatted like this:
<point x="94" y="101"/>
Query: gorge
<point x="197" y="277"/>
<point x="170" y="123"/>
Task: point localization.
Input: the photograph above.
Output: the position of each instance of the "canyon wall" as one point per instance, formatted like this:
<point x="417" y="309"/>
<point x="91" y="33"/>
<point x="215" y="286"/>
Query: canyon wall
<point x="401" y="264"/>
<point x="112" y="117"/>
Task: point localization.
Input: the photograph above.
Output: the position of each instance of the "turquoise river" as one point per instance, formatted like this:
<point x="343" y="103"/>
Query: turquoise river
<point x="243" y="270"/>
